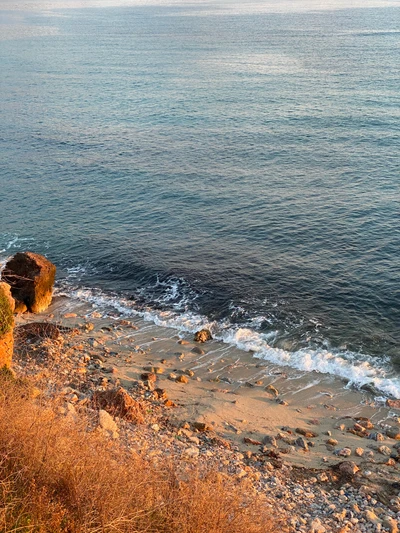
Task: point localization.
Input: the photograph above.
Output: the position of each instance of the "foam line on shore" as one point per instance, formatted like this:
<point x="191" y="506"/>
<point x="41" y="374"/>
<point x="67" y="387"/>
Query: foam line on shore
<point x="355" y="368"/>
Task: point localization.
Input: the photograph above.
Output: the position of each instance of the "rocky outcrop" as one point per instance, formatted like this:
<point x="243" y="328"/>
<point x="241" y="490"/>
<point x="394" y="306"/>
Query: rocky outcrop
<point x="203" y="335"/>
<point x="31" y="277"/>
<point x="6" y="325"/>
<point x="118" y="402"/>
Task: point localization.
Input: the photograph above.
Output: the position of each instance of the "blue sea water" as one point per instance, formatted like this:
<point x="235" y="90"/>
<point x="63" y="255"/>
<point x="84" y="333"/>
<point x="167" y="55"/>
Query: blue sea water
<point x="230" y="164"/>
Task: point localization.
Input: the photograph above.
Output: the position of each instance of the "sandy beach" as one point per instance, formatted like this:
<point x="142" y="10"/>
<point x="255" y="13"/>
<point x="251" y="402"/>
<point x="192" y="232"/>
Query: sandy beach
<point x="272" y="418"/>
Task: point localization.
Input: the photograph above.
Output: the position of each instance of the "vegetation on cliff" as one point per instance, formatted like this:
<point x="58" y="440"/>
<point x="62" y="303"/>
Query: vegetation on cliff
<point x="59" y="476"/>
<point x="6" y="314"/>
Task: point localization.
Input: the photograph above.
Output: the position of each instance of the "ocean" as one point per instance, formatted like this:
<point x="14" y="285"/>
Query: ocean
<point x="229" y="165"/>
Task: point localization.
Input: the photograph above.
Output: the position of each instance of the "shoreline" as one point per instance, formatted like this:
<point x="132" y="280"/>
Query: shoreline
<point x="206" y="417"/>
<point x="243" y="399"/>
<point x="357" y="370"/>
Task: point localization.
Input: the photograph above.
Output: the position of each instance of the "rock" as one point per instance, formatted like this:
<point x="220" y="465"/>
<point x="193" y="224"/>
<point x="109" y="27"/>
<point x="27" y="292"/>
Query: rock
<point x="391" y="524"/>
<point x="376" y="436"/>
<point x="182" y="379"/>
<point x="189" y="373"/>
<point x="191" y="452"/>
<point x="359" y="452"/>
<point x="148" y="376"/>
<point x="370" y="516"/>
<point x="270" y="441"/>
<point x="344" y="452"/>
<point x="118" y="402"/>
<point x="395" y="503"/>
<point x="152" y="370"/>
<point x="222" y="443"/>
<point x="332" y="442"/>
<point x="272" y="390"/>
<point x="31" y="277"/>
<point x="384" y="450"/>
<point x="306" y="433"/>
<point x="197" y="350"/>
<point x="248" y="440"/>
<point x="393" y="433"/>
<point x="317" y="527"/>
<point x="107" y="423"/>
<point x="301" y="442"/>
<point x="201" y="426"/>
<point x="348" y="468"/>
<point x="161" y="394"/>
<point x="7" y="306"/>
<point x="203" y="335"/>
<point x="183" y="342"/>
<point x="365" y="423"/>
<point x="394" y="404"/>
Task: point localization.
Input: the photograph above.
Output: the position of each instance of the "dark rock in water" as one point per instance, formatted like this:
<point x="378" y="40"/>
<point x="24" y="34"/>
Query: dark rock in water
<point x="6" y="325"/>
<point x="31" y="277"/>
<point x="370" y="387"/>
<point x="203" y="335"/>
<point x="118" y="402"/>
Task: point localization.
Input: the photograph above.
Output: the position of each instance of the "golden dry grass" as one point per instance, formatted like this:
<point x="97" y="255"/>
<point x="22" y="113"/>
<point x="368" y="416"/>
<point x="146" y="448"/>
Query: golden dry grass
<point x="57" y="476"/>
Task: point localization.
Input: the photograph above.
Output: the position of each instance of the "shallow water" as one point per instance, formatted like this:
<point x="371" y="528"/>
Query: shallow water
<point x="236" y="166"/>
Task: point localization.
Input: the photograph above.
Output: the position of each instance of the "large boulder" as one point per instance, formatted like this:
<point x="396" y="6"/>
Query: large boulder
<point x="6" y="325"/>
<point x="31" y="277"/>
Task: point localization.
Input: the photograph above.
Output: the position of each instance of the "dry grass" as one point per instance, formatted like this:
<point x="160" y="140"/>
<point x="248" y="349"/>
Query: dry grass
<point x="56" y="476"/>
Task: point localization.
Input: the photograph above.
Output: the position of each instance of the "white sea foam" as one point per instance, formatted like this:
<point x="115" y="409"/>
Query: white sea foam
<point x="357" y="369"/>
<point x="9" y="244"/>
